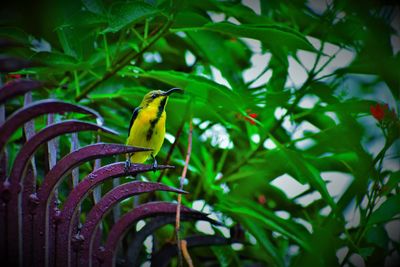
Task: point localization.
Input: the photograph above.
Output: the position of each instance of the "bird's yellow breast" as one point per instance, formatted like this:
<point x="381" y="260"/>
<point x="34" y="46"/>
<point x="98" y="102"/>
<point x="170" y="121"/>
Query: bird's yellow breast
<point x="147" y="131"/>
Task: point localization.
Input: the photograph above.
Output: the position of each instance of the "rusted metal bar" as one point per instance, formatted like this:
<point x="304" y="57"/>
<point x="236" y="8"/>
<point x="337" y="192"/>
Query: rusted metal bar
<point x="163" y="257"/>
<point x="3" y="172"/>
<point x="11" y="64"/>
<point x="54" y="178"/>
<point x="36" y="109"/>
<point x="31" y="174"/>
<point x="132" y="253"/>
<point x="76" y="197"/>
<point x="18" y="87"/>
<point x="112" y="198"/>
<point x="107" y="254"/>
<point x="12" y="186"/>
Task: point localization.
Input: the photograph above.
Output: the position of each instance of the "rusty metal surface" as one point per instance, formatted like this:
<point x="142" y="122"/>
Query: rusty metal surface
<point x="132" y="253"/>
<point x="11" y="193"/>
<point x="113" y="197"/>
<point x="107" y="254"/>
<point x="55" y="177"/>
<point x="76" y="197"/>
<point x="34" y="110"/>
<point x="18" y="87"/>
<point x="11" y="64"/>
<point x="163" y="257"/>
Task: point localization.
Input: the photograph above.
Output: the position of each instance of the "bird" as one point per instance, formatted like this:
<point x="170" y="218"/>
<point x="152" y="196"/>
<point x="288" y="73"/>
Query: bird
<point x="147" y="126"/>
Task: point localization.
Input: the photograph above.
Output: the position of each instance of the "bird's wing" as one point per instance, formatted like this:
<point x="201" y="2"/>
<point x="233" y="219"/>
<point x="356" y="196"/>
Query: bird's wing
<point x="133" y="118"/>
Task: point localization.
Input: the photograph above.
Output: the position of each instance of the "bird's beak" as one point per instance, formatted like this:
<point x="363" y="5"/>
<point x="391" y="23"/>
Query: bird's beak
<point x="173" y="90"/>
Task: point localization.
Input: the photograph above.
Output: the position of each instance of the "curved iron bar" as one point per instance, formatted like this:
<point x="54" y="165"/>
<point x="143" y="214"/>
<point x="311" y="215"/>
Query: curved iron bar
<point x="165" y="254"/>
<point x="113" y="197"/>
<point x="40" y="202"/>
<point x="21" y="116"/>
<point x="11" y="64"/>
<point x="75" y="198"/>
<point x="107" y="254"/>
<point x="18" y="87"/>
<point x="138" y="238"/>
<point x="12" y="186"/>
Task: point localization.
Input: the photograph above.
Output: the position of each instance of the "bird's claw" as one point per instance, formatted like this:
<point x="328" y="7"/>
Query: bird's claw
<point x="127" y="166"/>
<point x="155" y="164"/>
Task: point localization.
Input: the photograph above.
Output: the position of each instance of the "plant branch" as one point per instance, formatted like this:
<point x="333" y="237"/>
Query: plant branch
<point x="182" y="179"/>
<point x="123" y="62"/>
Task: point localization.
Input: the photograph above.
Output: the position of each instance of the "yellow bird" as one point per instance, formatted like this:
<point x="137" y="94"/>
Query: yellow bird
<point x="147" y="126"/>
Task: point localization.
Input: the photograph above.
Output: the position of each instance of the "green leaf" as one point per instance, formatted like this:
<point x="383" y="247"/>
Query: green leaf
<point x="393" y="182"/>
<point x="260" y="234"/>
<point x="58" y="60"/>
<point x="200" y="89"/>
<point x="94" y="6"/>
<point x="125" y="13"/>
<point x="386" y="211"/>
<point x="271" y="35"/>
<point x="377" y="235"/>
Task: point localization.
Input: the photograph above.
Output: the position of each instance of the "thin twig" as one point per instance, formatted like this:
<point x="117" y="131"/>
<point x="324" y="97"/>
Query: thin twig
<point x="123" y="62"/>
<point x="186" y="254"/>
<point x="178" y="207"/>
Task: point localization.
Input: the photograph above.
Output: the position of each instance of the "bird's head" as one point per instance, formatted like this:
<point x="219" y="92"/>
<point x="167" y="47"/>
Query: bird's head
<point x="158" y="98"/>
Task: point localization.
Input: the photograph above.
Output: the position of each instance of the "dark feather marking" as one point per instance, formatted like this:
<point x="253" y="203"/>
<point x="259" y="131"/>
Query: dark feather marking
<point x="156" y="119"/>
<point x="133" y="118"/>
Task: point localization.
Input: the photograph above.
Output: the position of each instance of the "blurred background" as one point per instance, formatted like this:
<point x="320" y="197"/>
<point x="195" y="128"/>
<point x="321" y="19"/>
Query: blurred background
<point x="294" y="106"/>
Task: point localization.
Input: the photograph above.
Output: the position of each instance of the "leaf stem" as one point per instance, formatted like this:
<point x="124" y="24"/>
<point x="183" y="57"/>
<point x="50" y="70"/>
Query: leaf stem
<point x="178" y="207"/>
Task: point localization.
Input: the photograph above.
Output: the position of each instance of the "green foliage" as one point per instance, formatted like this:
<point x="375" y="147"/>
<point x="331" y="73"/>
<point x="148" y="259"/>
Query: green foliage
<point x="280" y="97"/>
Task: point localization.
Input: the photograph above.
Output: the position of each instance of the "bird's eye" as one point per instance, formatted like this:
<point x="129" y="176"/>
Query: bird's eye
<point x="153" y="96"/>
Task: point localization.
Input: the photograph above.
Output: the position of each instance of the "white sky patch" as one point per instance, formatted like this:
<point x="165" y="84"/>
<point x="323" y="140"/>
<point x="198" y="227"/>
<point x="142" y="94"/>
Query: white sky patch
<point x="333" y="116"/>
<point x="289" y="185"/>
<point x="314" y="41"/>
<point x="305" y="223"/>
<point x="338" y="182"/>
<point x="205" y="227"/>
<point x="152" y="57"/>
<point x="216" y="17"/>
<point x="342" y="59"/>
<point x="282" y="214"/>
<point x="263" y="79"/>
<point x="305" y="144"/>
<point x="308" y="199"/>
<point x="190" y="59"/>
<point x="352" y="216"/>
<point x="297" y="74"/>
<point x="148" y="244"/>
<point x="170" y="137"/>
<point x="302" y="127"/>
<point x="308" y="101"/>
<point x="218" y="78"/>
<point x="307" y="58"/>
<point x="254" y="5"/>
<point x="255" y="138"/>
<point x="198" y="204"/>
<point x="233" y="20"/>
<point x="140" y="224"/>
<point x="218" y="135"/>
<point x="393" y="230"/>
<point x="318" y="6"/>
<point x="254" y="45"/>
<point x="269" y="144"/>
<point x="279" y="112"/>
<point x="258" y="63"/>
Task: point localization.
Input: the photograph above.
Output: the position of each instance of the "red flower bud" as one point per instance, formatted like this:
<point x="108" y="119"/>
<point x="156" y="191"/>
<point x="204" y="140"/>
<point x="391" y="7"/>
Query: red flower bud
<point x="378" y="111"/>
<point x="261" y="199"/>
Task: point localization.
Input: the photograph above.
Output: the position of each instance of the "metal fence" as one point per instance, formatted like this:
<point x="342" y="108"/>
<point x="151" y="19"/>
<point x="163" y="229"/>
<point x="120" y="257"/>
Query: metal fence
<point x="38" y="229"/>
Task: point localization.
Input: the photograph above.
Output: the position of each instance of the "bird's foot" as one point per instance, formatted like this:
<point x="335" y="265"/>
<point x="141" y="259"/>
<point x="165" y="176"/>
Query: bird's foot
<point x="127" y="166"/>
<point x="155" y="164"/>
